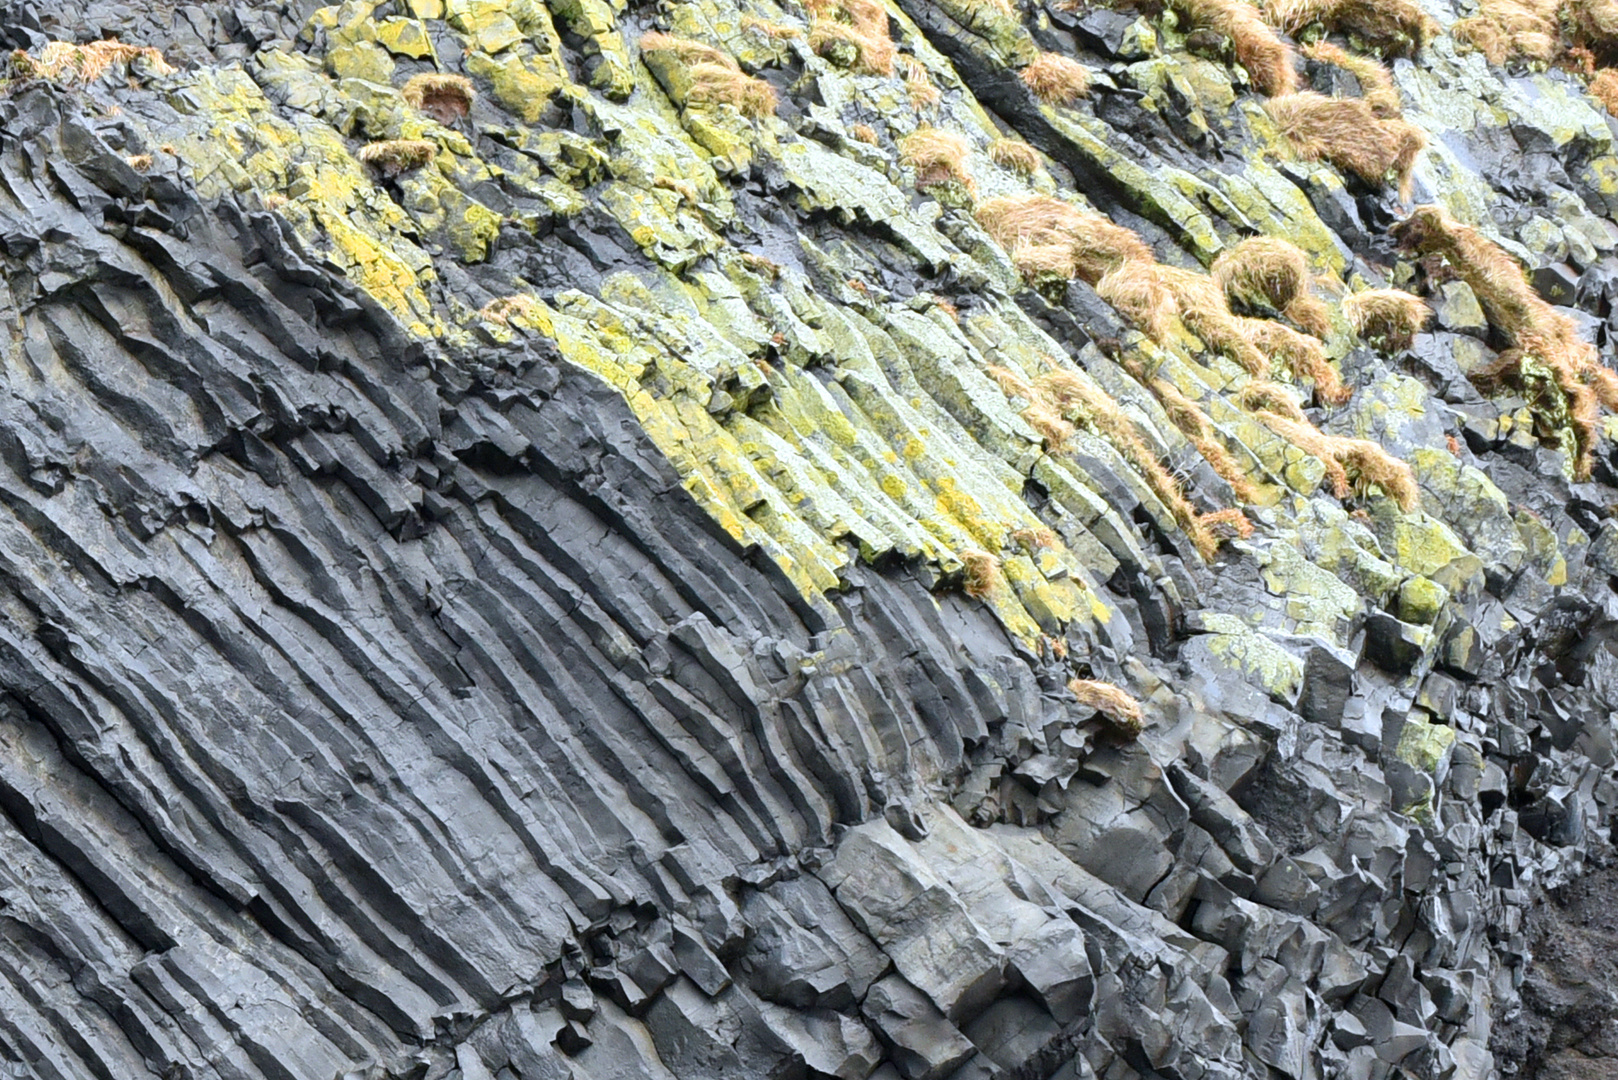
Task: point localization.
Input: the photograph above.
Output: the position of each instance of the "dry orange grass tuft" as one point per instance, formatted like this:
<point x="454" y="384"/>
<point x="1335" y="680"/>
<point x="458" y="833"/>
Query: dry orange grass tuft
<point x="1264" y="273"/>
<point x="918" y="85"/>
<point x="1536" y="330"/>
<point x="1032" y="540"/>
<point x="1604" y="88"/>
<point x="1397" y="27"/>
<point x="445" y="98"/>
<point x="864" y="133"/>
<point x="1056" y="79"/>
<point x="938" y="157"/>
<point x="1015" y="155"/>
<point x="1376" y="82"/>
<point x="1347" y="133"/>
<point x="715" y="77"/>
<point x="853" y="34"/>
<point x="502" y="310"/>
<point x="1118" y="707"/>
<point x="980" y="573"/>
<point x="1267" y="59"/>
<point x="1303" y="356"/>
<point x="1506" y="30"/>
<point x="1195" y="426"/>
<point x="62" y="61"/>
<point x="773" y="31"/>
<point x="1352" y="465"/>
<point x="1205" y="311"/>
<point x="392" y="157"/>
<point x="1136" y="291"/>
<point x="1387" y="318"/>
<point x="1059" y="237"/>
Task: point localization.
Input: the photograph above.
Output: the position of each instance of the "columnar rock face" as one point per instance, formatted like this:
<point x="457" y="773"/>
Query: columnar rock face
<point x="804" y="545"/>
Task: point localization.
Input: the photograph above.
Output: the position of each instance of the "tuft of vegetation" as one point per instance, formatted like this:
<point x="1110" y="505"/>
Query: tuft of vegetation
<point x="1016" y="155"/>
<point x="1604" y="88"/>
<point x="1304" y="358"/>
<point x="980" y="573"/>
<point x="1353" y="466"/>
<point x="852" y="34"/>
<point x="1056" y="79"/>
<point x="1507" y="30"/>
<point x="1118" y="708"/>
<point x="1558" y="372"/>
<point x="502" y="310"/>
<point x="139" y="162"/>
<point x="939" y="158"/>
<point x="1388" y="319"/>
<point x="1268" y="274"/>
<point x="1347" y="133"/>
<point x="1396" y="27"/>
<point x="918" y="84"/>
<point x="865" y="133"/>
<point x="1196" y="427"/>
<point x="1136" y="291"/>
<point x="446" y="98"/>
<point x="1205" y="311"/>
<point x="773" y="31"/>
<point x="1267" y="59"/>
<point x="1033" y="540"/>
<point x="63" y="62"/>
<point x="392" y="157"/>
<point x="715" y="77"/>
<point x="1048" y="236"/>
<point x="1376" y="82"/>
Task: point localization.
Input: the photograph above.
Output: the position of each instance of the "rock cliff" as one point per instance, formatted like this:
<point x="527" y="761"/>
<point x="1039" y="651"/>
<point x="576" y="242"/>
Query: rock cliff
<point x="723" y="538"/>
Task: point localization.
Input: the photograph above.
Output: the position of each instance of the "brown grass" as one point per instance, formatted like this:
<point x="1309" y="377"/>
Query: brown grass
<point x="773" y="31"/>
<point x="1593" y="25"/>
<point x="502" y="310"/>
<point x="1059" y="236"/>
<point x="1196" y="427"/>
<point x="1534" y="328"/>
<point x="716" y="78"/>
<point x="1091" y="408"/>
<point x="1347" y="133"/>
<point x="1352" y="465"/>
<point x="1261" y="396"/>
<point x="1136" y="291"/>
<point x="1205" y="311"/>
<point x="139" y="162"/>
<point x="918" y="84"/>
<point x="865" y="133"/>
<point x="1604" y="88"/>
<point x="1507" y="30"/>
<point x="1033" y="540"/>
<point x="1056" y="79"/>
<point x="391" y="157"/>
<point x="1262" y="272"/>
<point x="1303" y="356"/>
<point x="1397" y="27"/>
<point x="980" y="573"/>
<point x="1016" y="155"/>
<point x="939" y="157"/>
<point x="61" y="61"/>
<point x="1376" y="82"/>
<point x="853" y="33"/>
<point x="1117" y="707"/>
<point x="1267" y="59"/>
<point x="445" y="98"/>
<point x="1387" y="318"/>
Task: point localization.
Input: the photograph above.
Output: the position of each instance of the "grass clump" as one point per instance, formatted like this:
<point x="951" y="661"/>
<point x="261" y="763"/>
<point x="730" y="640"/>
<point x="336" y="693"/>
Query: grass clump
<point x="1091" y="408"/>
<point x="1136" y="291"/>
<point x="1544" y="343"/>
<point x="1397" y="27"/>
<point x="1056" y="237"/>
<point x="714" y="76"/>
<point x="1303" y="356"/>
<point x="1350" y="135"/>
<point x="502" y="310"/>
<point x="1507" y="30"/>
<point x="939" y="158"/>
<point x="63" y="62"/>
<point x="1267" y="274"/>
<point x="393" y="157"/>
<point x="1056" y="79"/>
<point x="1194" y="424"/>
<point x="1353" y="466"/>
<point x="1376" y="82"/>
<point x="1016" y="155"/>
<point x="919" y="86"/>
<point x="1122" y="713"/>
<point x="852" y="34"/>
<point x="1388" y="319"/>
<point x="1604" y="88"/>
<point x="865" y="133"/>
<point x="445" y="98"/>
<point x="1267" y="59"/>
<point x="980" y="573"/>
<point x="1205" y="311"/>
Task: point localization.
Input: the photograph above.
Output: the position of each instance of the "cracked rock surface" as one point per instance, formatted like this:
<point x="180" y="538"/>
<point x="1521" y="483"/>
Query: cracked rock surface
<point x="600" y="596"/>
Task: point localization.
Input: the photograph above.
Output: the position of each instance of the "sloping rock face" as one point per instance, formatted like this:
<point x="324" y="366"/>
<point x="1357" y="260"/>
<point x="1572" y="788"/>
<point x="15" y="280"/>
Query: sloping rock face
<point x="601" y="567"/>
